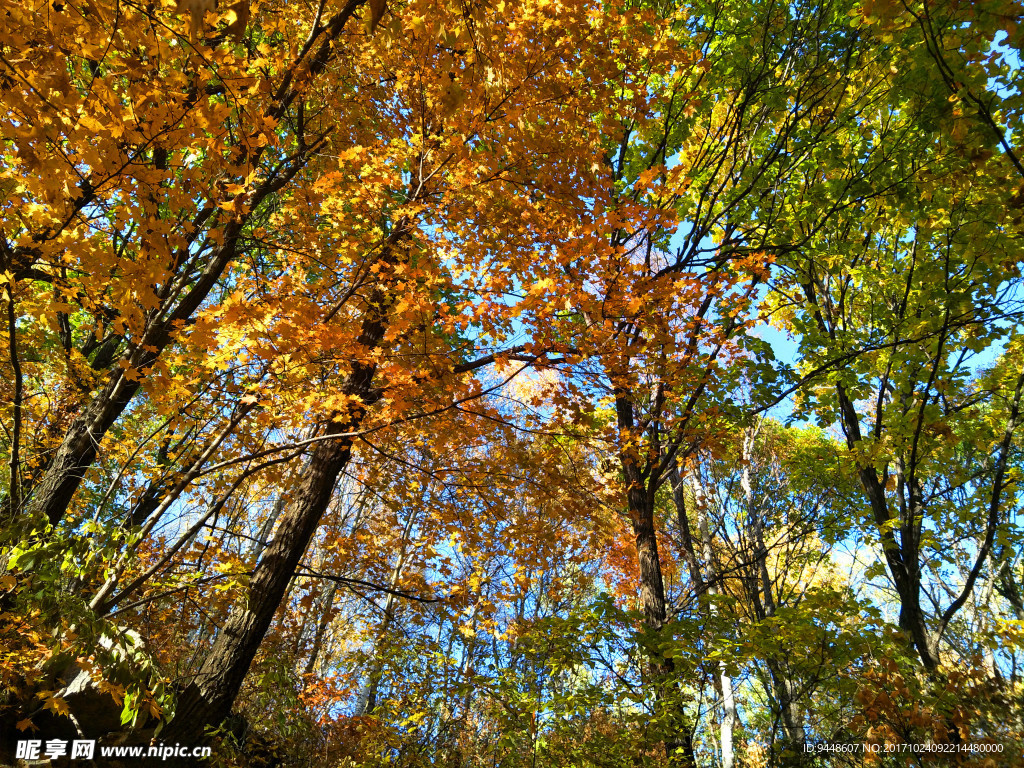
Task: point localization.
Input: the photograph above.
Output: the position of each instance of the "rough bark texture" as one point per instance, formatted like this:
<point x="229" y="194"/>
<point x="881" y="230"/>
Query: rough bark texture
<point x="77" y="452"/>
<point x="208" y="698"/>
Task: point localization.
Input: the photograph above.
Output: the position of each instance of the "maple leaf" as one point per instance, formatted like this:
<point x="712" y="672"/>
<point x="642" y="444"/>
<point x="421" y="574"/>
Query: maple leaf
<point x="57" y="705"/>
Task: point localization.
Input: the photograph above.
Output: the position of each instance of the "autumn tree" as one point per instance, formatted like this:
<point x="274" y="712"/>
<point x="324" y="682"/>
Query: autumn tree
<point x="908" y="300"/>
<point x="343" y="334"/>
<point x="759" y="522"/>
<point x="732" y="147"/>
<point x="238" y="257"/>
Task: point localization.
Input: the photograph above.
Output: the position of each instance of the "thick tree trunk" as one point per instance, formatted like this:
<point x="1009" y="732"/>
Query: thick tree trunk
<point x="77" y="452"/>
<point x="208" y="698"/>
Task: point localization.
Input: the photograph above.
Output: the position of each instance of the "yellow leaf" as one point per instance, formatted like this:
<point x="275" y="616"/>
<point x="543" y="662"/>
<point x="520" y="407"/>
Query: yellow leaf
<point x="57" y="705"/>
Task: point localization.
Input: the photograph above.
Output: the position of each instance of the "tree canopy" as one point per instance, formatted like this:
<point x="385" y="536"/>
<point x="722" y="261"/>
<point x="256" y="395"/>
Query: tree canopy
<point x="477" y="383"/>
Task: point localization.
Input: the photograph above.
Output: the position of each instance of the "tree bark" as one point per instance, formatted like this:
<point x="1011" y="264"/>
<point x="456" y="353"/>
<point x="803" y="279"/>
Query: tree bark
<point x="208" y="698"/>
<point x="640" y="503"/>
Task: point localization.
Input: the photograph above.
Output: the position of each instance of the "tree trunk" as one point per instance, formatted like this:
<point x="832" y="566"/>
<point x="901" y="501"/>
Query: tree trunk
<point x="64" y="472"/>
<point x="724" y="686"/>
<point x="640" y="503"/>
<point x="765" y="605"/>
<point x="328" y="602"/>
<point x="367" y="699"/>
<point x="321" y="630"/>
<point x="729" y="718"/>
<point x="52" y="494"/>
<point x="901" y="557"/>
<point x="208" y="698"/>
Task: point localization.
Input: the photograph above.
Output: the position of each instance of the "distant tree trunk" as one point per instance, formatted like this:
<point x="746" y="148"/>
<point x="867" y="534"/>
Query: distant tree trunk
<point x="1007" y="585"/>
<point x="765" y="605"/>
<point x="321" y="629"/>
<point x="328" y="601"/>
<point x="711" y="585"/>
<point x="366" y="702"/>
<point x="729" y="718"/>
